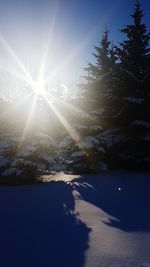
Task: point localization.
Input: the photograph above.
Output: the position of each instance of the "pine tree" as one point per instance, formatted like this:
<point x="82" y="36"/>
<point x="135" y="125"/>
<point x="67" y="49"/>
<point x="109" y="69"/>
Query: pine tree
<point x="116" y="97"/>
<point x="102" y="59"/>
<point x="88" y="153"/>
<point x="82" y="150"/>
<point x="105" y="59"/>
<point x="101" y="77"/>
<point x="134" y="72"/>
<point x="133" y="53"/>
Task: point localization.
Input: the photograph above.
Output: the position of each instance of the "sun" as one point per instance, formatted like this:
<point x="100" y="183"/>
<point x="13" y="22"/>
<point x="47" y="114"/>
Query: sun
<point x="39" y="87"/>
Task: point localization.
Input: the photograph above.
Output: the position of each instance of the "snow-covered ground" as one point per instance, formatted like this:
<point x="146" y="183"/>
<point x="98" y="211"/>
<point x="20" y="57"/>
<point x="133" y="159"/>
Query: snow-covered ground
<point x="90" y="220"/>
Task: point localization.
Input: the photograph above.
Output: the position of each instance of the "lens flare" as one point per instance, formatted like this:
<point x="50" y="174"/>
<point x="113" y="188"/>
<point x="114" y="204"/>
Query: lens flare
<point x="16" y="59"/>
<point x="30" y="117"/>
<point x="39" y="87"/>
<point x="64" y="122"/>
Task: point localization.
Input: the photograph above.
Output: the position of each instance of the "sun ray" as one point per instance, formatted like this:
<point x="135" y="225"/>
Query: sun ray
<point x="81" y="45"/>
<point x="58" y="69"/>
<point x="17" y="60"/>
<point x="13" y="72"/>
<point x="48" y="42"/>
<point x="75" y="109"/>
<point x="75" y="136"/>
<point x="70" y="57"/>
<point x="5" y="113"/>
<point x="28" y="121"/>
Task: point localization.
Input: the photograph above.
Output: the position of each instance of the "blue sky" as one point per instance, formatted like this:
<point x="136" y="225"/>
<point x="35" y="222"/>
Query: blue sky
<point x="77" y="27"/>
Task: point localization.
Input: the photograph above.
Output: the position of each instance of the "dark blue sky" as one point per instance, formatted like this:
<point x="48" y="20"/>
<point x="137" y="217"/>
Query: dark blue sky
<point x="77" y="27"/>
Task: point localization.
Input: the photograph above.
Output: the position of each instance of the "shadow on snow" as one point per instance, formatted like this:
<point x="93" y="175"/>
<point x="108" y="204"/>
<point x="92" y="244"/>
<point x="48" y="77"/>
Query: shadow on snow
<point x="38" y="227"/>
<point x="122" y="195"/>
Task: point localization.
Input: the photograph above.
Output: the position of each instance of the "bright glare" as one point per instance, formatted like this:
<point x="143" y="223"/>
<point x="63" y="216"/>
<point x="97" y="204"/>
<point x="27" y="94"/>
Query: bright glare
<point x="51" y="92"/>
<point x="39" y="87"/>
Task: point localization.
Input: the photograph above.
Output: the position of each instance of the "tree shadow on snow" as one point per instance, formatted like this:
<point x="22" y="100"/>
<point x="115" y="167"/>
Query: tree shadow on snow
<point x="38" y="227"/>
<point x="124" y="196"/>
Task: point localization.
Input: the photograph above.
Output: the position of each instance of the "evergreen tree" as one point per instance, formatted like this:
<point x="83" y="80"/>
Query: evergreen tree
<point x="88" y="153"/>
<point x="121" y="90"/>
<point x="116" y="99"/>
<point x="82" y="150"/>
<point x="133" y="53"/>
<point x="101" y="77"/>
<point x="105" y="60"/>
<point x="133" y="118"/>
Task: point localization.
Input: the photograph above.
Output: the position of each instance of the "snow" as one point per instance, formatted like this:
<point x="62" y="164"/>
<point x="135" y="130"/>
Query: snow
<point x="135" y="100"/>
<point x="78" y="154"/>
<point x="98" y="111"/>
<point x="28" y="162"/>
<point x="14" y="163"/>
<point x="43" y="138"/>
<point x="89" y="142"/>
<point x="22" y="161"/>
<point x="77" y="221"/>
<point x="4" y="144"/>
<point x="3" y="161"/>
<point x="9" y="172"/>
<point x="101" y="149"/>
<point x="28" y="150"/>
<point x="18" y="163"/>
<point x="110" y="137"/>
<point x="48" y="158"/>
<point x="41" y="167"/>
<point x="96" y="127"/>
<point x="67" y="141"/>
<point x="80" y="127"/>
<point x="19" y="172"/>
<point x="93" y="127"/>
<point x="141" y="123"/>
<point x="58" y="167"/>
